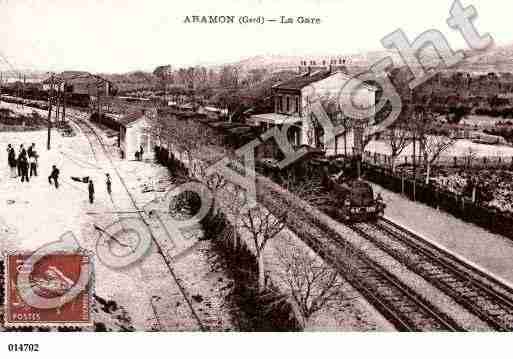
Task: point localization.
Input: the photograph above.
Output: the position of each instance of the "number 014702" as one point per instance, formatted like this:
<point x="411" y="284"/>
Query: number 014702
<point x="23" y="347"/>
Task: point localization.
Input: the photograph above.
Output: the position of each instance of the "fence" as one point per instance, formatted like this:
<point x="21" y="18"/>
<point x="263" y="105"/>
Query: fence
<point x="460" y="206"/>
<point x="486" y="162"/>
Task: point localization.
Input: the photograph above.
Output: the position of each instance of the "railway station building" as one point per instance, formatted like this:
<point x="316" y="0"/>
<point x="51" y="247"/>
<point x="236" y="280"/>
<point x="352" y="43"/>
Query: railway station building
<point x="293" y="106"/>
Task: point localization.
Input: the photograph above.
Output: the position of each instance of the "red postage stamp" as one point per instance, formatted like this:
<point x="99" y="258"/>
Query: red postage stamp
<point x="53" y="290"/>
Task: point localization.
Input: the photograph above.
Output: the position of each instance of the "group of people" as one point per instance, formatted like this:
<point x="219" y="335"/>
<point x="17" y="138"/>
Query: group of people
<point x="90" y="187"/>
<point x="23" y="165"/>
<point x="139" y="154"/>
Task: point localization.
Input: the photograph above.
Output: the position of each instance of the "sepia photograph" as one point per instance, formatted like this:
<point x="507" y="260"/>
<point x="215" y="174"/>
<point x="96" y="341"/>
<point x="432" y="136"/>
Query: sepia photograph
<point x="336" y="168"/>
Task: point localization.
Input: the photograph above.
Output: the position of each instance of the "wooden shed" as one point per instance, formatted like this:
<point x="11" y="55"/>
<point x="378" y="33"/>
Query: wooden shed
<point x="135" y="132"/>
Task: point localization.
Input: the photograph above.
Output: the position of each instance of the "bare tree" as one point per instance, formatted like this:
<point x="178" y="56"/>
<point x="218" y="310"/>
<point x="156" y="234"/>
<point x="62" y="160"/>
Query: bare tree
<point x="257" y="75"/>
<point x="470" y="156"/>
<point x="262" y="226"/>
<point x="311" y="191"/>
<point x="229" y="77"/>
<point x="398" y="138"/>
<point x="432" y="146"/>
<point x="312" y="284"/>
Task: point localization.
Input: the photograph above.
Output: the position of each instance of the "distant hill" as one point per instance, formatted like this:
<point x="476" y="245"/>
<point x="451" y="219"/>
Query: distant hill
<point x="496" y="59"/>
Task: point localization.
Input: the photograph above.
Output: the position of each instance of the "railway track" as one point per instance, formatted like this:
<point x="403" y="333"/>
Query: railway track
<point x="98" y="149"/>
<point x="404" y="308"/>
<point x="399" y="304"/>
<point x="478" y="292"/>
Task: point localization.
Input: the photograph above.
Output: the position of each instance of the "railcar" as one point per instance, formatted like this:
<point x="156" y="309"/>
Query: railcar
<point x="355" y="199"/>
<point x="351" y="199"/>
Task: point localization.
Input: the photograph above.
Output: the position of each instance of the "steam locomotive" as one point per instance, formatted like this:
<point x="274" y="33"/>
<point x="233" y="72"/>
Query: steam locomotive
<point x="350" y="199"/>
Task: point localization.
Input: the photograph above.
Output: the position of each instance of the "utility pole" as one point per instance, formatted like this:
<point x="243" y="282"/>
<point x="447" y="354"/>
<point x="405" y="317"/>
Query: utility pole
<point x="414" y="154"/>
<point x="23" y="87"/>
<point x="19" y="89"/>
<point x="50" y="93"/>
<point x="64" y="102"/>
<point x="98" y="99"/>
<point x="358" y="147"/>
<point x="57" y="103"/>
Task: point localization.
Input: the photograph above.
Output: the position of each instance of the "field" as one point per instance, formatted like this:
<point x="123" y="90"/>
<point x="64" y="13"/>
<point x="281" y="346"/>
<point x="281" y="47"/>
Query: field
<point x="459" y="148"/>
<point x="20" y="118"/>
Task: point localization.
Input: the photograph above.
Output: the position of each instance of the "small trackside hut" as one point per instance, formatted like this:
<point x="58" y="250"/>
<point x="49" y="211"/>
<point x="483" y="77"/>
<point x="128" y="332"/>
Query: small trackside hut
<point x="134" y="134"/>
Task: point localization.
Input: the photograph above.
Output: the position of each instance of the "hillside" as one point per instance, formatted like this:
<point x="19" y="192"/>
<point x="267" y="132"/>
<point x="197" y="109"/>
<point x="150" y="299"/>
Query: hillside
<point x="497" y="59"/>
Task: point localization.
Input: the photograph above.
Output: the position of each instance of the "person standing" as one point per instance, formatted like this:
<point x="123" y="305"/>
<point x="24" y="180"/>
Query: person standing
<point x="8" y="152"/>
<point x="22" y="154"/>
<point x="91" y="191"/>
<point x="55" y="176"/>
<point x="141" y="152"/>
<point x="24" y="165"/>
<point x="108" y="182"/>
<point x="33" y="163"/>
<point x="11" y="160"/>
<point x="31" y="149"/>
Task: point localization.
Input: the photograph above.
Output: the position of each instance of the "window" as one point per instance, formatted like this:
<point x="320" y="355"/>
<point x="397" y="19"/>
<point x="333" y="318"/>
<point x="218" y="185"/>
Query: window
<point x="280" y="105"/>
<point x="288" y="104"/>
<point x="297" y="104"/>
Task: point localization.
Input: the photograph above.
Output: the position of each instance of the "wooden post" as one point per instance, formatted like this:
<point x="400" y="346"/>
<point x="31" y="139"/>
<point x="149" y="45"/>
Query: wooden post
<point x="57" y="103"/>
<point x="64" y="102"/>
<point x="414" y="157"/>
<point x="50" y="93"/>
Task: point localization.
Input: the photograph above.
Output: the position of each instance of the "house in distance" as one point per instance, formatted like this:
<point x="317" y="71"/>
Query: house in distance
<point x="293" y="101"/>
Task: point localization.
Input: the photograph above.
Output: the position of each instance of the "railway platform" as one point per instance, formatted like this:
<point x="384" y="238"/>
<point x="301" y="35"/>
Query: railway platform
<point x="490" y="252"/>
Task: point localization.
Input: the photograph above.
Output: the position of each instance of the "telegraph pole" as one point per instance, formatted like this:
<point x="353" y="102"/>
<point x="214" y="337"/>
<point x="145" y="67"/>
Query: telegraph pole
<point x="64" y="102"/>
<point x="57" y="103"/>
<point x="98" y="100"/>
<point x="50" y="93"/>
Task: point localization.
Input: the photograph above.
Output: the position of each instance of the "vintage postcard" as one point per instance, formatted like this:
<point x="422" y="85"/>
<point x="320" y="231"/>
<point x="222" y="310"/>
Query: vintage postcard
<point x="255" y="166"/>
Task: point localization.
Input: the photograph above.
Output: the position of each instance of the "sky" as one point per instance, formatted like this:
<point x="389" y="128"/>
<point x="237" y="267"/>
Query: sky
<point x="127" y="35"/>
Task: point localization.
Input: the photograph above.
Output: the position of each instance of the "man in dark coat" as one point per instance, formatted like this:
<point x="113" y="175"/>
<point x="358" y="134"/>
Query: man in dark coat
<point x="11" y="160"/>
<point x="108" y="182"/>
<point x="22" y="154"/>
<point x="55" y="176"/>
<point x="91" y="191"/>
<point x="24" y="166"/>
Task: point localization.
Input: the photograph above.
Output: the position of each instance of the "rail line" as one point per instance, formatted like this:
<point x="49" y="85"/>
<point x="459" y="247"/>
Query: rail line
<point x="88" y="131"/>
<point x="399" y="304"/>
<point x="478" y="292"/>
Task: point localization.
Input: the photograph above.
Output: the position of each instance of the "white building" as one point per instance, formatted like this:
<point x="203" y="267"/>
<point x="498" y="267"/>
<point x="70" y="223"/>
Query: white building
<point x="292" y="105"/>
<point x="134" y="132"/>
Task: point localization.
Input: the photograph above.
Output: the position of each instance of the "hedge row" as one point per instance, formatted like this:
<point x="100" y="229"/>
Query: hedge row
<point x="460" y="206"/>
